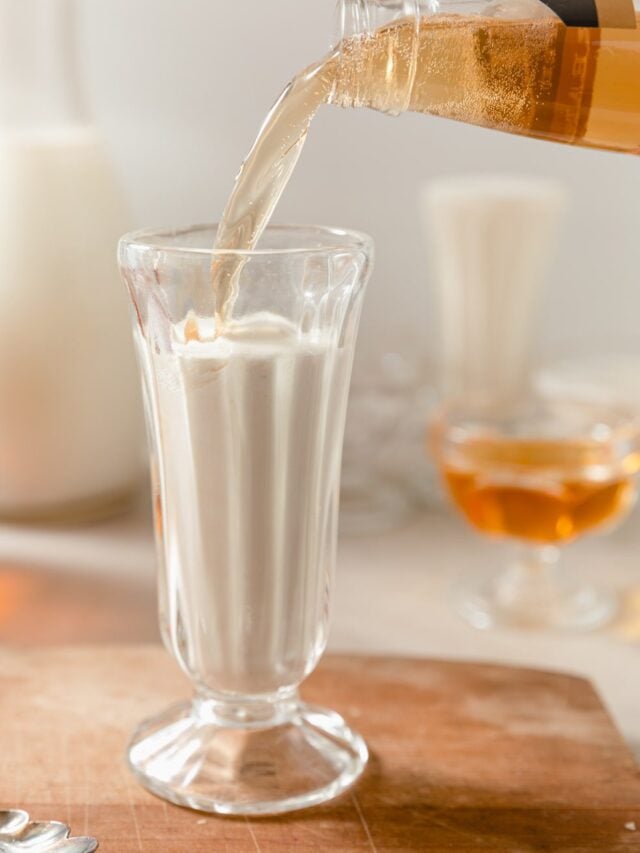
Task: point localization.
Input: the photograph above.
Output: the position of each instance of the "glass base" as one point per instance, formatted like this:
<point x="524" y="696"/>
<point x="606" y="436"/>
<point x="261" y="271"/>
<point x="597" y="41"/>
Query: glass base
<point x="518" y="598"/>
<point x="247" y="758"/>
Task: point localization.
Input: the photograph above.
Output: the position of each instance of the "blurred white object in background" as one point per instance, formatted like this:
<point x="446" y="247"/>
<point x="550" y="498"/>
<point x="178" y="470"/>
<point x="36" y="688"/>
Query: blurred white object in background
<point x="69" y="404"/>
<point x="492" y="238"/>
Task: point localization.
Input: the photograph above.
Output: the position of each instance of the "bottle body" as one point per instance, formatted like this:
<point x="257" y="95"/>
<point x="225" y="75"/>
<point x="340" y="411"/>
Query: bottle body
<point x="70" y="423"/>
<point x="511" y="66"/>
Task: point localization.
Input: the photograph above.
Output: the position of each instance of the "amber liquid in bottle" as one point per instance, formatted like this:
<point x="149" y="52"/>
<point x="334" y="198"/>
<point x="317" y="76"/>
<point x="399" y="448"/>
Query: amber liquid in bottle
<point x="576" y="85"/>
<point x="532" y="77"/>
<point x="546" y="492"/>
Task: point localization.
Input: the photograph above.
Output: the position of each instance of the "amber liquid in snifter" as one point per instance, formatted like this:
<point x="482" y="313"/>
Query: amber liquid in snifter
<point x="543" y="491"/>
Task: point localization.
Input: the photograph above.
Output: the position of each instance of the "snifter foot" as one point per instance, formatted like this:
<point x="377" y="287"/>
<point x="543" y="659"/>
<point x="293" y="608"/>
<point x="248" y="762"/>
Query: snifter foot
<point x="535" y="597"/>
<point x="247" y="757"/>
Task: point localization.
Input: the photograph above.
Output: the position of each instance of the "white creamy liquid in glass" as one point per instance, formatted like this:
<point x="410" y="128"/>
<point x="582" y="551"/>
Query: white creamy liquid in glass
<point x="251" y="426"/>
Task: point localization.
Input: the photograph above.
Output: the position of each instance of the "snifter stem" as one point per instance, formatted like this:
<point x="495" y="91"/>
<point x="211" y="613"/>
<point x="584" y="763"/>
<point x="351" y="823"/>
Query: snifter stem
<point x="537" y="560"/>
<point x="529" y="586"/>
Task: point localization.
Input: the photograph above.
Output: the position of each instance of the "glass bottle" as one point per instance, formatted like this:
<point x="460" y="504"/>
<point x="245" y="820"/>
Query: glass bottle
<point x="512" y="65"/>
<point x="69" y="411"/>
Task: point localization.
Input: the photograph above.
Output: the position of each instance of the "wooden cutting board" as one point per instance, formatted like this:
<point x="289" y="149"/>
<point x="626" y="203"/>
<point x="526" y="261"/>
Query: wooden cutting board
<point x="465" y="757"/>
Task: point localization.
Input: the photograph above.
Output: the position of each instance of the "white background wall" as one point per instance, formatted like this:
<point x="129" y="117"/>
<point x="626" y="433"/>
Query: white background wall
<point x="180" y="90"/>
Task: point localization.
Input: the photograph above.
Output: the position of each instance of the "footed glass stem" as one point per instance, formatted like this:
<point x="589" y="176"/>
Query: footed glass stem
<point x="247" y="757"/>
<point x="534" y="593"/>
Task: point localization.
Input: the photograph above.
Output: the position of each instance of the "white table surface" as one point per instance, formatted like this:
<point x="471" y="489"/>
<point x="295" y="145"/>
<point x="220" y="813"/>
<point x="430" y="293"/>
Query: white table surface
<point x="96" y="584"/>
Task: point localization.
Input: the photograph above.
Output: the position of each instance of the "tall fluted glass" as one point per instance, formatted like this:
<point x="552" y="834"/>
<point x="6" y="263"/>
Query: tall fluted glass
<point x="246" y="427"/>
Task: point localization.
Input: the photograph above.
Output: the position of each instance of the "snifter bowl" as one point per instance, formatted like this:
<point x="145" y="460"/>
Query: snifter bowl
<point x="541" y="474"/>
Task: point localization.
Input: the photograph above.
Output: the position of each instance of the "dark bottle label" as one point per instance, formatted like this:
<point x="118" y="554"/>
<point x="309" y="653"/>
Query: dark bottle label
<point x="618" y="14"/>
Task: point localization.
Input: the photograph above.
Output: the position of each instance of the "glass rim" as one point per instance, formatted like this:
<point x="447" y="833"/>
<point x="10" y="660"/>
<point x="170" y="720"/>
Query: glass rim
<point x="166" y="240"/>
<point x="455" y="421"/>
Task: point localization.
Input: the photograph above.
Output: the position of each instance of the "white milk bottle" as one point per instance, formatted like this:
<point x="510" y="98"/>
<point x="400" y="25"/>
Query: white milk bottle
<point x="69" y="408"/>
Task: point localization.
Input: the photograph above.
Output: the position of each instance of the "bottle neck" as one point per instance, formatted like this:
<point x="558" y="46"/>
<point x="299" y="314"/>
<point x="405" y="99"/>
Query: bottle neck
<point x="39" y="81"/>
<point x="361" y="17"/>
<point x="378" y="72"/>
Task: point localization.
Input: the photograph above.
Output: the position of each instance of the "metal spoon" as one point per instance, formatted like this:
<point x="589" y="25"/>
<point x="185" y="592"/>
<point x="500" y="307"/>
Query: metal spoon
<point x="36" y="836"/>
<point x="75" y="845"/>
<point x="18" y="835"/>
<point x="12" y="821"/>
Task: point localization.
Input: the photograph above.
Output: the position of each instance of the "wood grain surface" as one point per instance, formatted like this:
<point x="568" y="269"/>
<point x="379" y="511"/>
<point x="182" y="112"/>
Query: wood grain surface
<point x="465" y="757"/>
